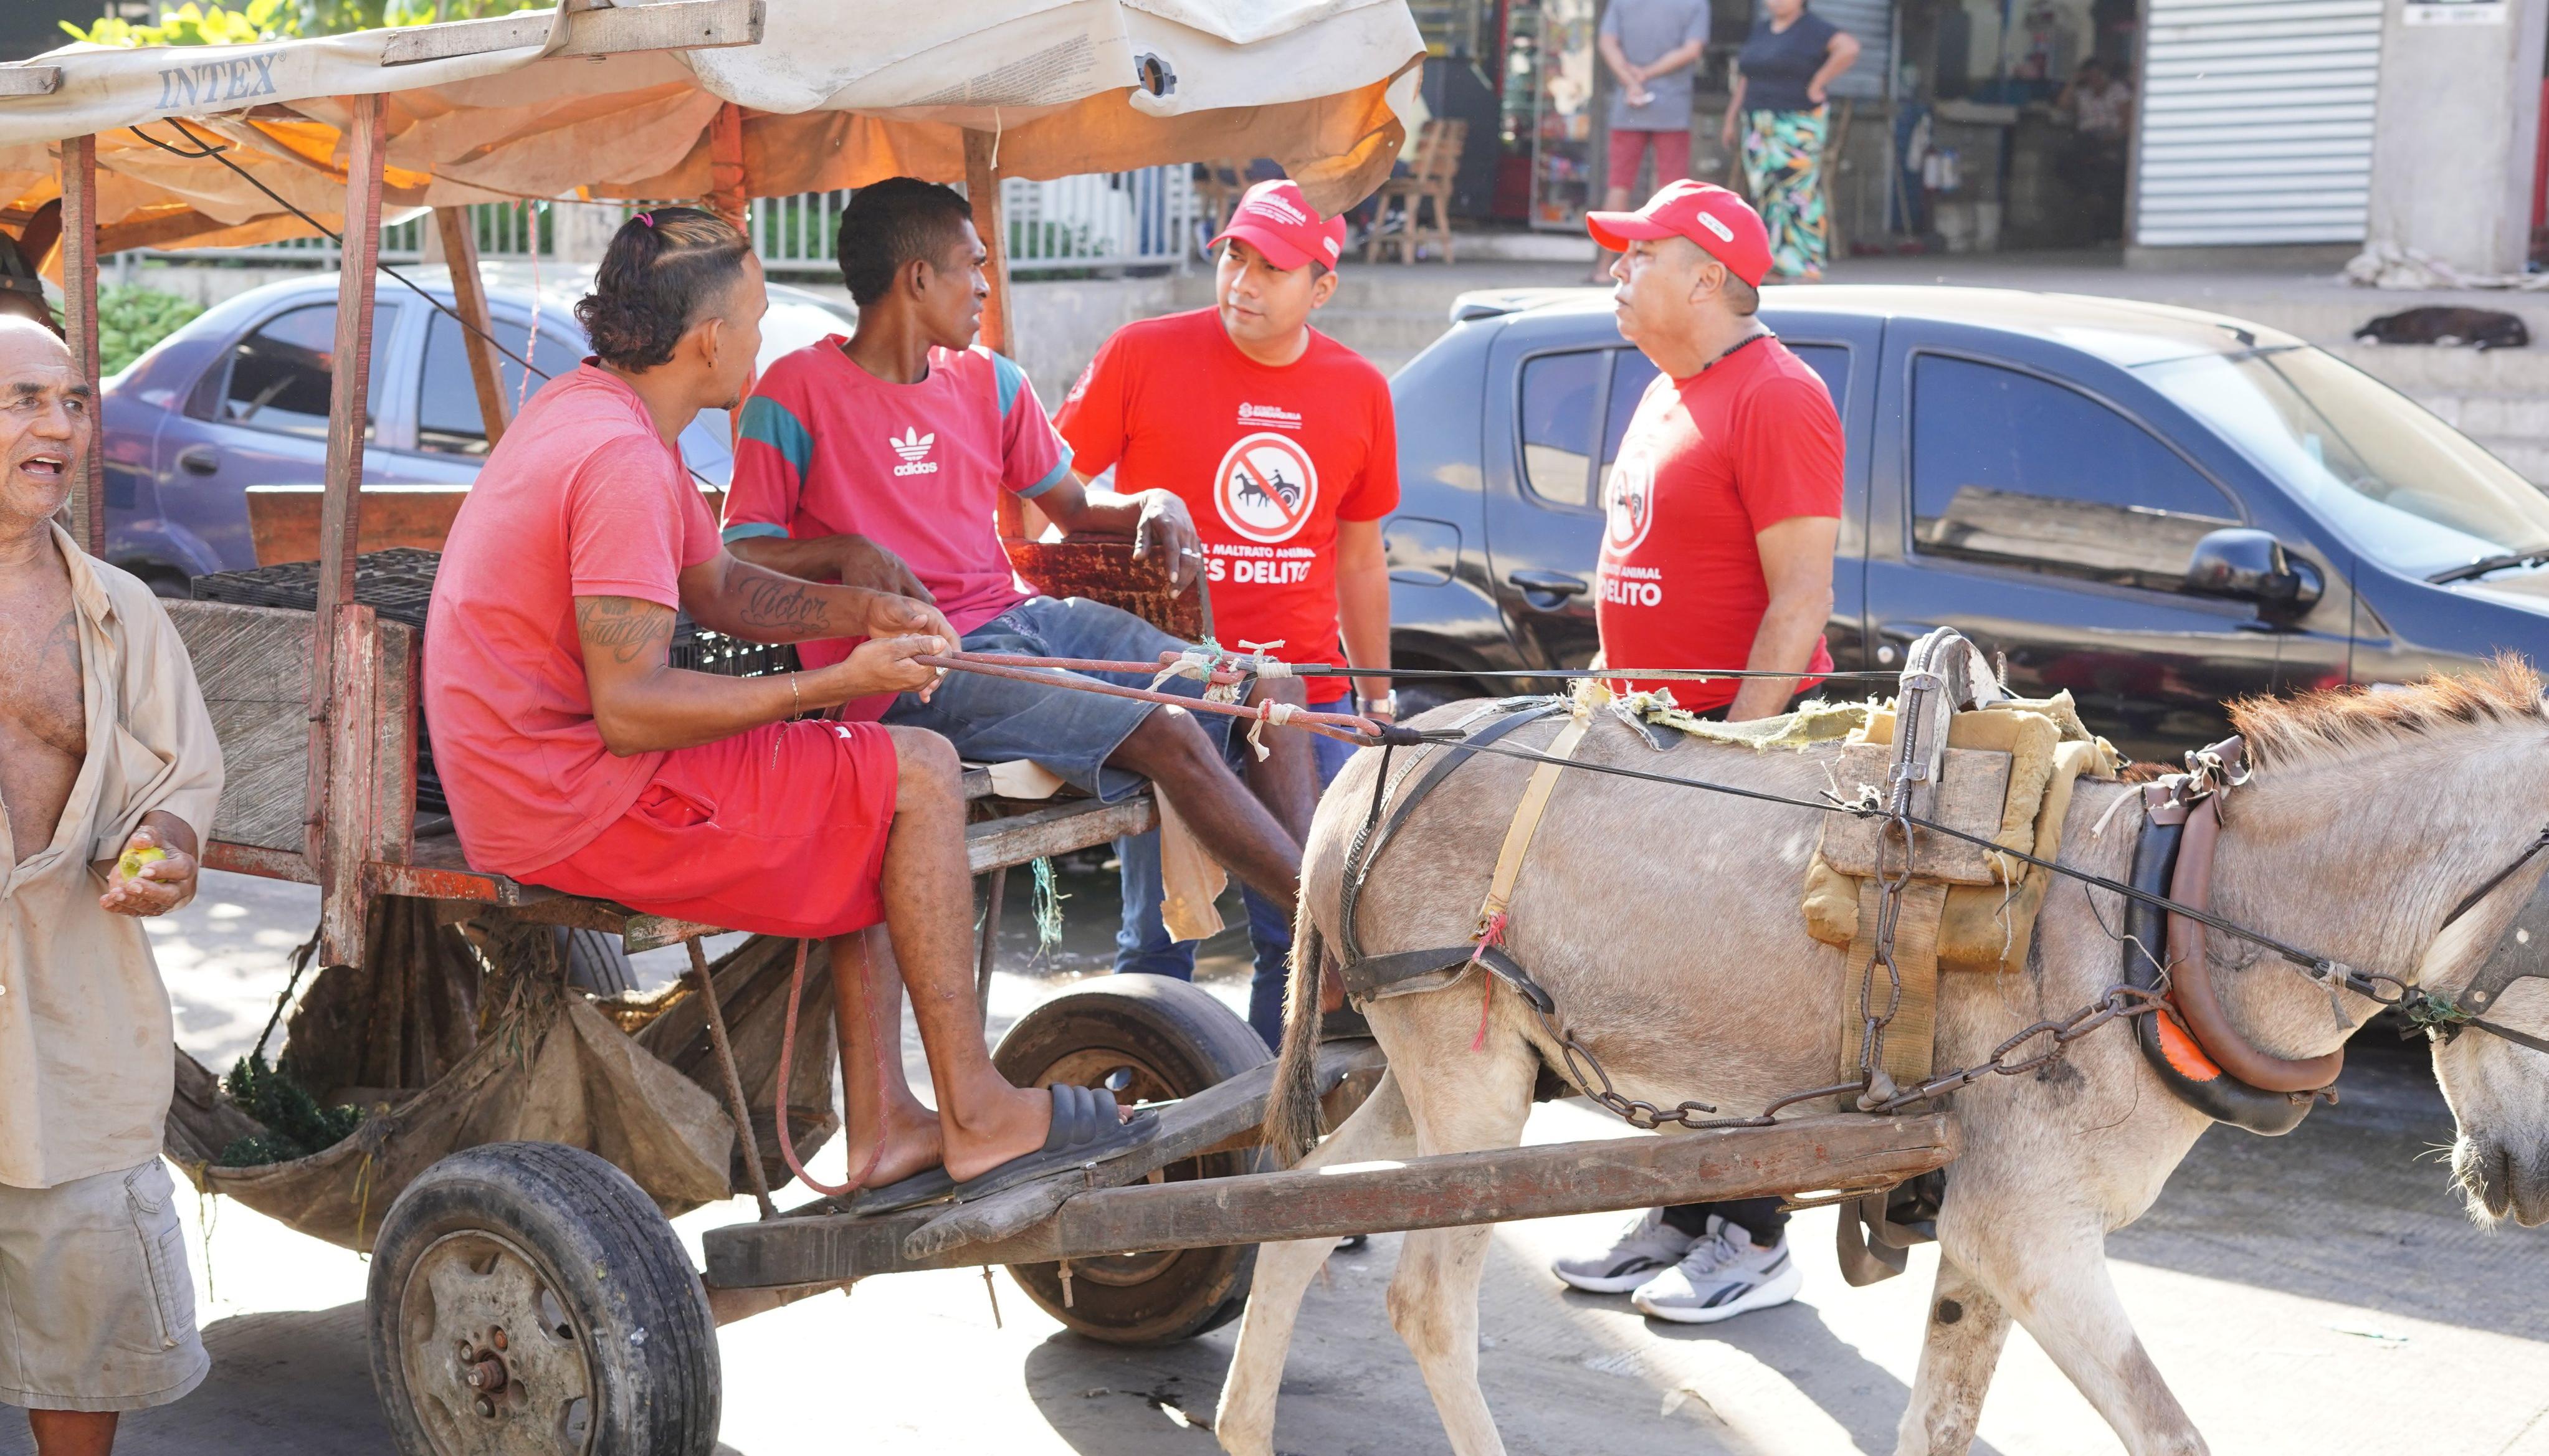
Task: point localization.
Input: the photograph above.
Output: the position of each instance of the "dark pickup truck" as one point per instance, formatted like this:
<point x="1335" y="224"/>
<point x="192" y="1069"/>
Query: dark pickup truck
<point x="2156" y="509"/>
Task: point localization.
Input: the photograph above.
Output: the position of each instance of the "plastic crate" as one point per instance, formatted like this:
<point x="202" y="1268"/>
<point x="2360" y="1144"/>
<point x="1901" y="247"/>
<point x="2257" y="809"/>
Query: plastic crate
<point x="398" y="584"/>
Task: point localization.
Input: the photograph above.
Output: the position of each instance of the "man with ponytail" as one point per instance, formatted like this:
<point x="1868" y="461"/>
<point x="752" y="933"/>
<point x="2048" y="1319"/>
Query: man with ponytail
<point x="576" y="756"/>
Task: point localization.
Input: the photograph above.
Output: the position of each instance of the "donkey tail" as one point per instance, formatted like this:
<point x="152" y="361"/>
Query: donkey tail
<point x="1293" y="1121"/>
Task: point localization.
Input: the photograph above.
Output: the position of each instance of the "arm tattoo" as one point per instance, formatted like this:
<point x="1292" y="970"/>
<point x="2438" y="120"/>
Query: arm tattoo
<point x="622" y="626"/>
<point x="773" y="603"/>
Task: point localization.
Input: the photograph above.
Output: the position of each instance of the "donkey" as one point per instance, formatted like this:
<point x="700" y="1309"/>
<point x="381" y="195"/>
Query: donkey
<point x="1665" y="923"/>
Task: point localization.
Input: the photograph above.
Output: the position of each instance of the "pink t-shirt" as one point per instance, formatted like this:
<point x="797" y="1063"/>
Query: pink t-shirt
<point x="583" y="499"/>
<point x="828" y="449"/>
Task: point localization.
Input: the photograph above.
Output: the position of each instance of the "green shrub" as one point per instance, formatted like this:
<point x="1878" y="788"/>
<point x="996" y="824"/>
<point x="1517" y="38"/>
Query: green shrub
<point x="296" y="1126"/>
<point x="130" y="319"/>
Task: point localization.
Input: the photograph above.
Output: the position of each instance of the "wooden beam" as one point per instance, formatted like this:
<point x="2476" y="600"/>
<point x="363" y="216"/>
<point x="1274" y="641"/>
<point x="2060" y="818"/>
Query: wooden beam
<point x="1842" y="1151"/>
<point x="30" y="80"/>
<point x="982" y="190"/>
<point x="1224" y="1112"/>
<point x="469" y="301"/>
<point x="730" y="192"/>
<point x="1074" y="824"/>
<point x="687" y="25"/>
<point x="339" y="830"/>
<point x="79" y="326"/>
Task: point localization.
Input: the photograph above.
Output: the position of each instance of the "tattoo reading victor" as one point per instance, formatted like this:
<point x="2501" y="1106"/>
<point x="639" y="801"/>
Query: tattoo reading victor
<point x="783" y="606"/>
<point x="622" y="626"/>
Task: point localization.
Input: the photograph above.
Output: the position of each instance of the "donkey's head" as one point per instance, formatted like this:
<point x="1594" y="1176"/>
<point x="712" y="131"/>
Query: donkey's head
<point x="2450" y="776"/>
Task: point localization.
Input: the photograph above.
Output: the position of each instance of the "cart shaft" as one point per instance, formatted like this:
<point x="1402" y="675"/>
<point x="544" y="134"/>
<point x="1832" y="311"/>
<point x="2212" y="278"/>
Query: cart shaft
<point x="1842" y="1151"/>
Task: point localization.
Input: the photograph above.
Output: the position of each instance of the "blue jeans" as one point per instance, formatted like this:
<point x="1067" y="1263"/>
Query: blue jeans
<point x="993" y="720"/>
<point x="1142" y="943"/>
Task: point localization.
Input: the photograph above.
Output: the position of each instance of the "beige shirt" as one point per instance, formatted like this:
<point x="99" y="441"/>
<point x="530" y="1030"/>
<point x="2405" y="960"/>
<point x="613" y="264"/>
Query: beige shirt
<point x="85" y="1068"/>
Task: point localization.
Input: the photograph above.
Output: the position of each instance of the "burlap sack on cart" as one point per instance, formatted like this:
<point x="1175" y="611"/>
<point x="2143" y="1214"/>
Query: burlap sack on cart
<point x="552" y="1066"/>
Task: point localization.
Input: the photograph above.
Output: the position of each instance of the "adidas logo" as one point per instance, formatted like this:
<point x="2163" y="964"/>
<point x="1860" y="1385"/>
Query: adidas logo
<point x="913" y="446"/>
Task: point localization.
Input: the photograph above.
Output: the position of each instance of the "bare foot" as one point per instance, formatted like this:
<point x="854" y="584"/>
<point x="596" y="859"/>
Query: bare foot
<point x="912" y="1144"/>
<point x="1009" y="1122"/>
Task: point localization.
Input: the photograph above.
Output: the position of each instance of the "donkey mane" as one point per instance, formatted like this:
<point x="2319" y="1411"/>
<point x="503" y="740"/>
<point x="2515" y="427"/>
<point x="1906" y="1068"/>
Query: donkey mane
<point x="2337" y="722"/>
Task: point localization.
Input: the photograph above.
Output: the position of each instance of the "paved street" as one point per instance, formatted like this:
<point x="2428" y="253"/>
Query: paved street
<point x="2319" y="1292"/>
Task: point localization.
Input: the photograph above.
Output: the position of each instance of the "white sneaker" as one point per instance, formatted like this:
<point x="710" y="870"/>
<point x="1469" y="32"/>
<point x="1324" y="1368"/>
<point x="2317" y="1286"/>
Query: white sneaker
<point x="1647" y="1246"/>
<point x="1720" y="1276"/>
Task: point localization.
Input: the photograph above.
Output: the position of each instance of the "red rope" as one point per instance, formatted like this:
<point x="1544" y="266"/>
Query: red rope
<point x="1345" y="726"/>
<point x="787" y="1054"/>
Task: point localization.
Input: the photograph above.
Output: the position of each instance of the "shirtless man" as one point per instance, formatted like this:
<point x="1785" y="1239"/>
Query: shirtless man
<point x="93" y="1320"/>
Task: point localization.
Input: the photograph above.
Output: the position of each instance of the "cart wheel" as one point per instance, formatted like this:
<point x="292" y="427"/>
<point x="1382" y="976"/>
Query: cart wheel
<point x="527" y="1298"/>
<point x="1148" y="1038"/>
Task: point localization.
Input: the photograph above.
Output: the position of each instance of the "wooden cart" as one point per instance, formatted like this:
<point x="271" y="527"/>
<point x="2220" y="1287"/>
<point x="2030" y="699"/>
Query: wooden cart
<point x="526" y="1297"/>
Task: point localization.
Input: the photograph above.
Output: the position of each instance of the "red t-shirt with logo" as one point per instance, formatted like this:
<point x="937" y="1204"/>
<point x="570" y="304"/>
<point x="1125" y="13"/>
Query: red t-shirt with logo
<point x="1708" y="463"/>
<point x="828" y="449"/>
<point x="1267" y="459"/>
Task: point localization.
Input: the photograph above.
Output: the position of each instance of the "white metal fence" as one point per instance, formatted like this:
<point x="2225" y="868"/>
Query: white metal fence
<point x="1144" y="218"/>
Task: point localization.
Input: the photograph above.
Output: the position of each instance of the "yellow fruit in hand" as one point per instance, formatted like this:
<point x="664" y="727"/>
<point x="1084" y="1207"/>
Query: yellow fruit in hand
<point x="133" y="860"/>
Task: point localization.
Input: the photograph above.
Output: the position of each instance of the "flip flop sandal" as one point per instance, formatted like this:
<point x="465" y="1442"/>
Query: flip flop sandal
<point x="1082" y="1121"/>
<point x="926" y="1186"/>
<point x="1085" y="1130"/>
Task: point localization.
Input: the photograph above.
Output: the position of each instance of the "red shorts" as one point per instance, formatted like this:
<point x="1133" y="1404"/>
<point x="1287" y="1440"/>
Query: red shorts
<point x="779" y="831"/>
<point x="1628" y="148"/>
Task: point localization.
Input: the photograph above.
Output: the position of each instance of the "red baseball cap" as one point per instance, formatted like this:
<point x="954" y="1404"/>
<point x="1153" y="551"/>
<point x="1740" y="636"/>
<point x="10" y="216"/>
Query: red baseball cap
<point x="1723" y="224"/>
<point x="1275" y="219"/>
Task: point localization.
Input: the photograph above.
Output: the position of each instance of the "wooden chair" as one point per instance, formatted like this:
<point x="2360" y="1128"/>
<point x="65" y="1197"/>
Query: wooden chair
<point x="1430" y="172"/>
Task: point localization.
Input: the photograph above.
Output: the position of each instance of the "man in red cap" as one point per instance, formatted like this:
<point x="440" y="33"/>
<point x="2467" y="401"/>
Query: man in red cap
<point x="1283" y="445"/>
<point x="1722" y="513"/>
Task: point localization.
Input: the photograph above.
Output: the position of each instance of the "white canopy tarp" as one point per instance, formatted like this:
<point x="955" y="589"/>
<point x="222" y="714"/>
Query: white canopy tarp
<point x="834" y="95"/>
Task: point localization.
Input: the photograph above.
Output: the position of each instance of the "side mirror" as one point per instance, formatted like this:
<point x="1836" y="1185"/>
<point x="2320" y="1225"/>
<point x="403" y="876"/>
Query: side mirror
<point x="2252" y="565"/>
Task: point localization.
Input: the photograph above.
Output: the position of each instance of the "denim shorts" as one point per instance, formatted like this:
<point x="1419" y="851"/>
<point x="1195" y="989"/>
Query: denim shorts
<point x="993" y="720"/>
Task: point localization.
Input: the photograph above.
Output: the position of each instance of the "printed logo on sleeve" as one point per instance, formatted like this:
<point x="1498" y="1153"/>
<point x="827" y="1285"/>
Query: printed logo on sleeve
<point x="1266" y="488"/>
<point x="913" y="447"/>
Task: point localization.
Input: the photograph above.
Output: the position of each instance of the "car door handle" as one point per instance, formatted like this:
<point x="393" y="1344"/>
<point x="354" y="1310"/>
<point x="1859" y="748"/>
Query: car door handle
<point x="200" y="460"/>
<point x="1551" y="583"/>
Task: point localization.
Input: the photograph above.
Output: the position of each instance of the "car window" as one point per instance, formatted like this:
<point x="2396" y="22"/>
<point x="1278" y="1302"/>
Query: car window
<point x="447" y="406"/>
<point x="2017" y="470"/>
<point x="1560" y="394"/>
<point x="1631" y="372"/>
<point x="279" y="374"/>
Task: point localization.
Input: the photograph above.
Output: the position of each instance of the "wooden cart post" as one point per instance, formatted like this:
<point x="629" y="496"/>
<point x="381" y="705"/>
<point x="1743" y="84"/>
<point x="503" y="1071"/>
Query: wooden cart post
<point x="341" y="814"/>
<point x="998" y="327"/>
<point x="469" y="298"/>
<point x="79" y="322"/>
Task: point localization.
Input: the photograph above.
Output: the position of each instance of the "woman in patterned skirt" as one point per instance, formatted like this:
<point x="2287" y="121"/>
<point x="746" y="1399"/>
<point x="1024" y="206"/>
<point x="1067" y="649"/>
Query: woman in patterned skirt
<point x="1780" y="81"/>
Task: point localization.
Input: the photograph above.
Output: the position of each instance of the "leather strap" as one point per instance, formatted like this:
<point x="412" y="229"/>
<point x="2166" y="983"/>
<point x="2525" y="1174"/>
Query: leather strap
<point x="1526" y="824"/>
<point x="1407" y="972"/>
<point x="2191" y="980"/>
<point x="1518" y="712"/>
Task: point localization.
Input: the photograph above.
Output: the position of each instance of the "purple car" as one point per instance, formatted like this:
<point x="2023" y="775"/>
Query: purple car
<point x="239" y="398"/>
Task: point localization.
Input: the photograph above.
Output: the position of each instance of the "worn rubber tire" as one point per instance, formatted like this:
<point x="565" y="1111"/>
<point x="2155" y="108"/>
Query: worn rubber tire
<point x="607" y="1256"/>
<point x="596" y="961"/>
<point x="1178" y="1039"/>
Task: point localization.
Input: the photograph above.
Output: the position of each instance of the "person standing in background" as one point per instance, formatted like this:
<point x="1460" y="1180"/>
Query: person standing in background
<point x="1284" y="447"/>
<point x="1652" y="48"/>
<point x="1782" y="79"/>
<point x="1721" y="516"/>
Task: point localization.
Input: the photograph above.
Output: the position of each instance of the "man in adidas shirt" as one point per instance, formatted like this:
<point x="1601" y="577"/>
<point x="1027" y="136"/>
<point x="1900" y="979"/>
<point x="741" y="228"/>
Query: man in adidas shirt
<point x="1283" y="445"/>
<point x="880" y="457"/>
<point x="1721" y="514"/>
